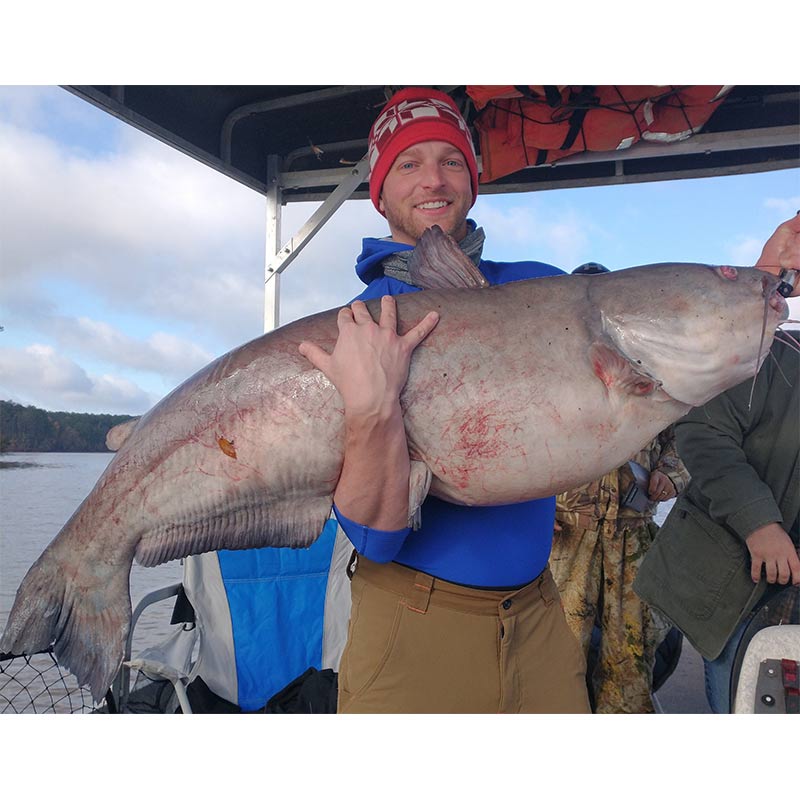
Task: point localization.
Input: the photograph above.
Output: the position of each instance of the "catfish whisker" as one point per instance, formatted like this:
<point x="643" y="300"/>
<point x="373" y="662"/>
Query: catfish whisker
<point x="789" y="341"/>
<point x="760" y="350"/>
<point x="778" y="367"/>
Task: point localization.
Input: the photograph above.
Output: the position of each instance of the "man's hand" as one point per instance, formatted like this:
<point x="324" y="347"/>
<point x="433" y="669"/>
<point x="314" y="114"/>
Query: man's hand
<point x="369" y="367"/>
<point x="660" y="487"/>
<point x="370" y="362"/>
<point x="782" y="250"/>
<point x="772" y="548"/>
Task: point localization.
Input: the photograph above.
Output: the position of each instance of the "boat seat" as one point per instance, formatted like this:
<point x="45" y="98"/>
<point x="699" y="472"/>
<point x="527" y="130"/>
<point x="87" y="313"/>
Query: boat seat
<point x="262" y="618"/>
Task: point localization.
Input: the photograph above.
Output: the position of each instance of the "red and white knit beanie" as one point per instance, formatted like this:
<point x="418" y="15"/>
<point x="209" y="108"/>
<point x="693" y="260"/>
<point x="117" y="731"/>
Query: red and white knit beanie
<point x="412" y="116"/>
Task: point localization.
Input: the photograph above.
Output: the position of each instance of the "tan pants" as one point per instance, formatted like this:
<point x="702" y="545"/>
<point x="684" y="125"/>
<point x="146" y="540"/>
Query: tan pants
<point x="420" y="645"/>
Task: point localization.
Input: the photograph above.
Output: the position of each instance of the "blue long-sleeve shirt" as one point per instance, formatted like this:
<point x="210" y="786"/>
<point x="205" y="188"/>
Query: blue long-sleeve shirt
<point x="486" y="546"/>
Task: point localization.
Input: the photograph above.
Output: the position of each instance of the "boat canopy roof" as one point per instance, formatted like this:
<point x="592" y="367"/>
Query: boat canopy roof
<point x="317" y="134"/>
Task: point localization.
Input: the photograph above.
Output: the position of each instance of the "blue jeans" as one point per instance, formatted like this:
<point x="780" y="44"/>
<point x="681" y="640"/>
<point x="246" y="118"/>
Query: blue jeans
<point x="718" y="672"/>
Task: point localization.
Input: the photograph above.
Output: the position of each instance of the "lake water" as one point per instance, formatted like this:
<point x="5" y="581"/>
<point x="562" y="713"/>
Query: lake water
<point x="38" y="494"/>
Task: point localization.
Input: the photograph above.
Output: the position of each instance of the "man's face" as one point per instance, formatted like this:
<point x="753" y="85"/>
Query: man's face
<point x="428" y="184"/>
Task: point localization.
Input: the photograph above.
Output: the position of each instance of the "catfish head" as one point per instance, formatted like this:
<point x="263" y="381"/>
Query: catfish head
<point x="695" y="330"/>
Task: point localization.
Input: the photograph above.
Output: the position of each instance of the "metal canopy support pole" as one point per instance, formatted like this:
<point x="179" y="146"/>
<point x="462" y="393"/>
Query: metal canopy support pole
<point x="279" y="257"/>
<point x="293" y="246"/>
<point x="272" y="287"/>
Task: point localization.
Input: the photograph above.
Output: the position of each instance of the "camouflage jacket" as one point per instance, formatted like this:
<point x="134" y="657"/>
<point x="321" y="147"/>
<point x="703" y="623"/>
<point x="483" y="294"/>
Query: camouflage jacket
<point x="599" y="500"/>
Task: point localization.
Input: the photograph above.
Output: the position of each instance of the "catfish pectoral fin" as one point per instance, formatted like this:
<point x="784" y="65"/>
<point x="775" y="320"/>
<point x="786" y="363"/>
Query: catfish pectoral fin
<point x="617" y="372"/>
<point x="419" y="481"/>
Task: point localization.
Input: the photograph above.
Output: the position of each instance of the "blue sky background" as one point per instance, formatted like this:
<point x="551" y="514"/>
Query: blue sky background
<point x="126" y="266"/>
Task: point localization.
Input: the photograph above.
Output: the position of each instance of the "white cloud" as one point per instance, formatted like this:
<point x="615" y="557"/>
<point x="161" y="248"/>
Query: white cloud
<point x="131" y="227"/>
<point x="531" y="230"/>
<point x="37" y="375"/>
<point x="784" y="206"/>
<point x="162" y="353"/>
<point x="745" y="251"/>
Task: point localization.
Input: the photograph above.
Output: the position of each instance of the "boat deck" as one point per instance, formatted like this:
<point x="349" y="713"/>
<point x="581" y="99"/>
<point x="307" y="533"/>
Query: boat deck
<point x="684" y="692"/>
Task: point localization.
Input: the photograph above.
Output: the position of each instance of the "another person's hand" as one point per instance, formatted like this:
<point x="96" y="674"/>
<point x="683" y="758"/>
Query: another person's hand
<point x="772" y="548"/>
<point x="660" y="487"/>
<point x="782" y="250"/>
<point x="370" y="362"/>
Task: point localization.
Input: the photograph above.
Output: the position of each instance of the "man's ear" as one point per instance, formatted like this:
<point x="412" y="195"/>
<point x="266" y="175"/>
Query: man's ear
<point x="380" y="203"/>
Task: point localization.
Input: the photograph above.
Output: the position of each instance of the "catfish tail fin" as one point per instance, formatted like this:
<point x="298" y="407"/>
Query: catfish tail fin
<point x="85" y="618"/>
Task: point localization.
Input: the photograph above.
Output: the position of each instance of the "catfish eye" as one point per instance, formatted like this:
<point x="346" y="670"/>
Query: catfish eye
<point x="729" y="273"/>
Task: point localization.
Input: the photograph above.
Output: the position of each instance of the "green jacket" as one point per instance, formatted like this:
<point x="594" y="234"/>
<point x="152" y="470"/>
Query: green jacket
<point x="745" y="473"/>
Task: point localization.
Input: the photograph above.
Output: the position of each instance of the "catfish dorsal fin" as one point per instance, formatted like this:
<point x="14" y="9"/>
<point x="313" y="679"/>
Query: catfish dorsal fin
<point x="439" y="263"/>
<point x="119" y="434"/>
<point x="617" y="373"/>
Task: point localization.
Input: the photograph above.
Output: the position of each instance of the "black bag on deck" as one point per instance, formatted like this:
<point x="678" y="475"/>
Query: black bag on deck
<point x="313" y="692"/>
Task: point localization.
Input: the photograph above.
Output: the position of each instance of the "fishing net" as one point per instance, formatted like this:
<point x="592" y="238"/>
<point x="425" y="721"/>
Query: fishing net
<point x="36" y="684"/>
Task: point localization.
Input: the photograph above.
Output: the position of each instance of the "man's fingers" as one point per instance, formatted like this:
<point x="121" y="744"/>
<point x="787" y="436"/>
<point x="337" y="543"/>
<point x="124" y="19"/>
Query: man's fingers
<point x="344" y="318"/>
<point x="794" y="566"/>
<point x="388" y="312"/>
<point x="423" y="328"/>
<point x="755" y="569"/>
<point x="660" y="486"/>
<point x="360" y="312"/>
<point x="315" y="354"/>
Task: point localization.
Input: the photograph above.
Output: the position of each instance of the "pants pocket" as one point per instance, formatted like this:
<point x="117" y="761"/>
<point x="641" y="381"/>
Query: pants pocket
<point x="371" y="637"/>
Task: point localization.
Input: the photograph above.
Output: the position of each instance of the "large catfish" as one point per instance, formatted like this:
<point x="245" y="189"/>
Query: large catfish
<point x="521" y="391"/>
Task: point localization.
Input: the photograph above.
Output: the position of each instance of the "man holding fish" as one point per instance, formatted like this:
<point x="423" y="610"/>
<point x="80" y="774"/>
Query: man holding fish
<point x="461" y="614"/>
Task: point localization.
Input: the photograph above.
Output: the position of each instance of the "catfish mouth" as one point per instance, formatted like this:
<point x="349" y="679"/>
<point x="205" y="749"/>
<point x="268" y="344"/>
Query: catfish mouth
<point x="774" y="299"/>
<point x="777" y="303"/>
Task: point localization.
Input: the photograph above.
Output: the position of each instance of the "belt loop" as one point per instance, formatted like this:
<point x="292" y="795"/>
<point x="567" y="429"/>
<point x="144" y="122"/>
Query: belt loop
<point x="420" y="594"/>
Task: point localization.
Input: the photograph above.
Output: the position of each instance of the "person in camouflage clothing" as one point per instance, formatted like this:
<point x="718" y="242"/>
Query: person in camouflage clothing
<point x="597" y="548"/>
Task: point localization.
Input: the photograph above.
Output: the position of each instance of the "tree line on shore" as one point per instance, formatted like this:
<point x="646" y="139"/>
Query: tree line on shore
<point x="27" y="429"/>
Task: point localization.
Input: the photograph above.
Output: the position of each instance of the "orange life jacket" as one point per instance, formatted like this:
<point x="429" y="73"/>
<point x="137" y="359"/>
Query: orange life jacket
<point x="522" y="126"/>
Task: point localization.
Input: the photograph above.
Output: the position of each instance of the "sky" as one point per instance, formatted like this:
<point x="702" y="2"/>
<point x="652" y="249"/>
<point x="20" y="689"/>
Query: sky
<point x="125" y="266"/>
